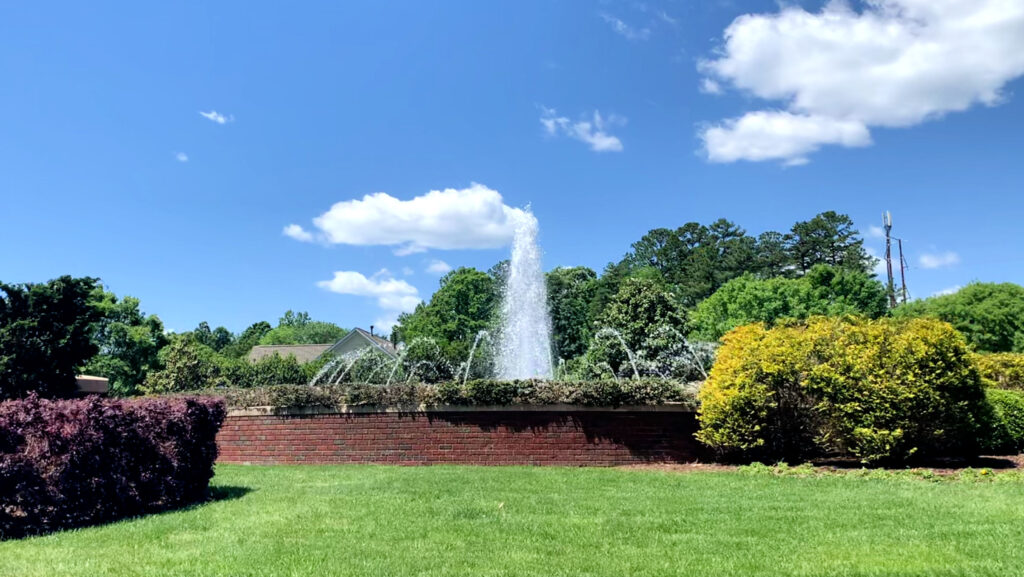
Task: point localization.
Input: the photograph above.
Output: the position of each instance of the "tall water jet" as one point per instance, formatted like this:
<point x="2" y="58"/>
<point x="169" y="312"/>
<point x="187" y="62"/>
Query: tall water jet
<point x="525" y="346"/>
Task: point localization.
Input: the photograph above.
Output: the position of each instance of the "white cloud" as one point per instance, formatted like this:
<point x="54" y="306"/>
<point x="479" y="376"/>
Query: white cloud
<point x="710" y="86"/>
<point x="875" y="231"/>
<point x="878" y="267"/>
<point x="181" y="157"/>
<point x="667" y="19"/>
<point x="939" y="260"/>
<point x="778" y="135"/>
<point x="217" y="117"/>
<point x="593" y="131"/>
<point x="438" y="267"/>
<point x="895" y="63"/>
<point x="393" y="295"/>
<point x="295" y="231"/>
<point x="468" y="218"/>
<point x="947" y="291"/>
<point x="625" y="30"/>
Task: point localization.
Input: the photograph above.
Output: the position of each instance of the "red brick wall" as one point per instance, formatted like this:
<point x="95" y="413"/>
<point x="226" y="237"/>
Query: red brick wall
<point x="618" y="437"/>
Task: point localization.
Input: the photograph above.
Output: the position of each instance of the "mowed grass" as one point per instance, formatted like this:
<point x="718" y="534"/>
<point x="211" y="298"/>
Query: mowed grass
<point x="478" y="521"/>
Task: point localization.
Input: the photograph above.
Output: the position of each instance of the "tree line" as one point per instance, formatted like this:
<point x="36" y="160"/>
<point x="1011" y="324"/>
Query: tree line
<point x="673" y="287"/>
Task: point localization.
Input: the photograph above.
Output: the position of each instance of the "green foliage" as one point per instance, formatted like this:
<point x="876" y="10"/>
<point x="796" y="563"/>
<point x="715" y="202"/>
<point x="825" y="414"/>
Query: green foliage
<point x="45" y="335"/>
<point x="1002" y="370"/>
<point x="990" y="315"/>
<point x="1008" y="407"/>
<point x="829" y="238"/>
<point x="824" y="290"/>
<point x="882" y="390"/>
<point x="128" y="341"/>
<point x="466" y="303"/>
<point x="188" y="366"/>
<point x="249" y="338"/>
<point x="570" y="291"/>
<point x="639" y="308"/>
<point x="625" y="392"/>
<point x="299" y="329"/>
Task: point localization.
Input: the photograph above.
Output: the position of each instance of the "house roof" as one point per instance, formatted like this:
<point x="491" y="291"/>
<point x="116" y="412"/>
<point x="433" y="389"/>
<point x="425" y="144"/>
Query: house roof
<point x="380" y="343"/>
<point x="302" y="353"/>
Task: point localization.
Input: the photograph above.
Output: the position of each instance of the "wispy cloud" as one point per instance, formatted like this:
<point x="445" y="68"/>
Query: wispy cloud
<point x="667" y="19"/>
<point x="593" y="131"/>
<point x="181" y="157"/>
<point x="394" y="296"/>
<point x="875" y="231"/>
<point x="939" y="260"/>
<point x="295" y="231"/>
<point x="217" y="117"/>
<point x="947" y="291"/>
<point x="438" y="267"/>
<point x="625" y="30"/>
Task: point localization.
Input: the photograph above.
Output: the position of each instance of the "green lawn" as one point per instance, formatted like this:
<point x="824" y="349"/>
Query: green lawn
<point x="475" y="521"/>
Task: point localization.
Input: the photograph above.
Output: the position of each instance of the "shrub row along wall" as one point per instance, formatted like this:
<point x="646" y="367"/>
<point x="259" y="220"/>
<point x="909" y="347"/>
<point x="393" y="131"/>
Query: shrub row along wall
<point x="72" y="463"/>
<point x="564" y="435"/>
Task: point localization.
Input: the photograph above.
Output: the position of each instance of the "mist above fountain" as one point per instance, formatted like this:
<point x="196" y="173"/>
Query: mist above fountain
<point x="524" y="347"/>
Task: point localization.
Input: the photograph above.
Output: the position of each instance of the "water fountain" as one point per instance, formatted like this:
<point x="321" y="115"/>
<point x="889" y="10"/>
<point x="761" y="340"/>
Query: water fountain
<point x="524" y="350"/>
<point x="472" y="351"/>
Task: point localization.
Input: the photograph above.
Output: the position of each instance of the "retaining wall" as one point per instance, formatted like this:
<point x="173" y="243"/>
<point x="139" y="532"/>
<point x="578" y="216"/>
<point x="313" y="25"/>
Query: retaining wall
<point x="517" y="435"/>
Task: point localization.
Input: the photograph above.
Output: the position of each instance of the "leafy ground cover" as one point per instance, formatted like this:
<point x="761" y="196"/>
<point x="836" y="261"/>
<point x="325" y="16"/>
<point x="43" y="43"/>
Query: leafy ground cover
<point x="377" y="520"/>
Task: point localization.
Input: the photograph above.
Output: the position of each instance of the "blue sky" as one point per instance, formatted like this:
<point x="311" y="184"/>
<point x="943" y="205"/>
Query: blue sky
<point x="608" y="118"/>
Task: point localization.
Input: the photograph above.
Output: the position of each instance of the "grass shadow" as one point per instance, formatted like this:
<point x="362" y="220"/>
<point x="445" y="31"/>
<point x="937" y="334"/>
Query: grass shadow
<point x="214" y="495"/>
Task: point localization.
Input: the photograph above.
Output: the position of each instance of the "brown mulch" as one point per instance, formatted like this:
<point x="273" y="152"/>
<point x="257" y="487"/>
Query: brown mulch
<point x="938" y="466"/>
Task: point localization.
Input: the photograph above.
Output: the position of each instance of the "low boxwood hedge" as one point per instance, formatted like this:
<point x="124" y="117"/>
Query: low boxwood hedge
<point x="73" y="463"/>
<point x="1009" y="430"/>
<point x="475" y="392"/>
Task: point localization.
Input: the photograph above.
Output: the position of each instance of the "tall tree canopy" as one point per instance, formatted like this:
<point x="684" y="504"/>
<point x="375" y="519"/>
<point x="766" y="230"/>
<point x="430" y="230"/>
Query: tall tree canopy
<point x="828" y="238"/>
<point x="990" y="315"/>
<point x="46" y="333"/>
<point x="824" y="290"/>
<point x="570" y="291"/>
<point x="128" y="342"/>
<point x="466" y="303"/>
<point x="299" y="329"/>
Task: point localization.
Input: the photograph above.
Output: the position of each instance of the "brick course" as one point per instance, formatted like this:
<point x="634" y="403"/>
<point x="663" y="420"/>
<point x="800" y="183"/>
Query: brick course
<point x="487" y="437"/>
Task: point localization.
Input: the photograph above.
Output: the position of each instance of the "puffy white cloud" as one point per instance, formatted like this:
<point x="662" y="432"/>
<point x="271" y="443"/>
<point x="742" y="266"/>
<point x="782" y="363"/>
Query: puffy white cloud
<point x="393" y="295"/>
<point x="295" y="231"/>
<point x="438" y="267"/>
<point x="217" y="117"/>
<point x="625" y="30"/>
<point x="768" y="135"/>
<point x="894" y="63"/>
<point x="468" y="218"/>
<point x="181" y="157"/>
<point x="593" y="131"/>
<point x="939" y="260"/>
<point x="947" y="291"/>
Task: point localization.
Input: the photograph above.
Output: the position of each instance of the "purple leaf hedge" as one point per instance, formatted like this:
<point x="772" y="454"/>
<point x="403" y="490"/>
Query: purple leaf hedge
<point x="71" y="463"/>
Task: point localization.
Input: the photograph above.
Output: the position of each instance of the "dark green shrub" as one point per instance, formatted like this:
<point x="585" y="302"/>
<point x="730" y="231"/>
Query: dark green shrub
<point x="1009" y="411"/>
<point x="473" y="393"/>
<point x="883" y="390"/>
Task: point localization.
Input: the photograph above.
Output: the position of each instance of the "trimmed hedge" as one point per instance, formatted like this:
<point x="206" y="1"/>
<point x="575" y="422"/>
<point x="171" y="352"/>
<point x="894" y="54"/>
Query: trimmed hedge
<point x="1009" y="410"/>
<point x="1002" y="370"/>
<point x="474" y="392"/>
<point x="72" y="463"/>
<point x="883" y="390"/>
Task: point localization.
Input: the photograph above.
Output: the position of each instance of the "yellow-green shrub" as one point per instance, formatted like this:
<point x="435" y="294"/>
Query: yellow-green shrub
<point x="1002" y="370"/>
<point x="876" y="390"/>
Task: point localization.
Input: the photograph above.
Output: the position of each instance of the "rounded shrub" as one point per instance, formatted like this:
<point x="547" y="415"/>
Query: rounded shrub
<point x="876" y="390"/>
<point x="1002" y="370"/>
<point x="1008" y="436"/>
